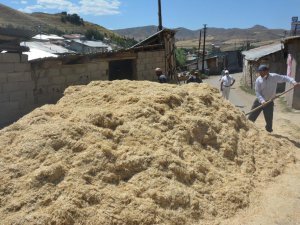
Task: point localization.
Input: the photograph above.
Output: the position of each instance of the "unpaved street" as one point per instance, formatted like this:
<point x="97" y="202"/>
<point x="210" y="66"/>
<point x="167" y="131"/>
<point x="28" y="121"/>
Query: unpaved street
<point x="279" y="201"/>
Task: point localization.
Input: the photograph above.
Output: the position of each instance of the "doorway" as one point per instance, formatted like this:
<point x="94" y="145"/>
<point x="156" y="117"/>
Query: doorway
<point x="121" y="70"/>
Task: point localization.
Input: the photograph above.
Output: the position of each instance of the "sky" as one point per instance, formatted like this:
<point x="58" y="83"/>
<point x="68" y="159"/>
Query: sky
<point x="191" y="14"/>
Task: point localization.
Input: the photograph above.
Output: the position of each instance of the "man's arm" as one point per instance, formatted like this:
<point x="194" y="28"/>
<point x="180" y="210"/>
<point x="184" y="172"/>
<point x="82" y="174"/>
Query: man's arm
<point x="233" y="81"/>
<point x="221" y="86"/>
<point x="284" y="78"/>
<point x="258" y="92"/>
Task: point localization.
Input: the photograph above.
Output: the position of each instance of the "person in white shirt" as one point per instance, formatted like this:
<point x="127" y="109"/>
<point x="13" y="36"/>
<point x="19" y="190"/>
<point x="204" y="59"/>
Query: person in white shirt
<point x="265" y="89"/>
<point x="226" y="82"/>
<point x="222" y="73"/>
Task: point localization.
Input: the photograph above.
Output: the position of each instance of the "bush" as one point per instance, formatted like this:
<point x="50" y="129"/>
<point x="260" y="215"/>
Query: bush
<point x="123" y="42"/>
<point x="92" y="34"/>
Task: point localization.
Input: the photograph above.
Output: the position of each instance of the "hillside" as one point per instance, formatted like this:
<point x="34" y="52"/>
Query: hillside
<point x="13" y="18"/>
<point x="138" y="33"/>
<point x="49" y="23"/>
<point x="67" y="27"/>
<point x="218" y="36"/>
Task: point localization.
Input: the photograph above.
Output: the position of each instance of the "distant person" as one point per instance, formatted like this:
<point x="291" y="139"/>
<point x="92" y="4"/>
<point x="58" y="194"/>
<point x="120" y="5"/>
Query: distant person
<point x="194" y="78"/>
<point x="226" y="82"/>
<point x="160" y="76"/>
<point x="222" y="73"/>
<point x="265" y="89"/>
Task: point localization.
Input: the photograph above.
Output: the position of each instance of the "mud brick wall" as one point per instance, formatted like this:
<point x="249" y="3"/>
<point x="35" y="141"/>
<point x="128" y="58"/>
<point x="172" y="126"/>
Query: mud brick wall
<point x="16" y="96"/>
<point x="147" y="62"/>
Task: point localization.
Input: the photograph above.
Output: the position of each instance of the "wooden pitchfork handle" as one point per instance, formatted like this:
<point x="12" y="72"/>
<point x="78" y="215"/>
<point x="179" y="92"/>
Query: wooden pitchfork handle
<point x="272" y="99"/>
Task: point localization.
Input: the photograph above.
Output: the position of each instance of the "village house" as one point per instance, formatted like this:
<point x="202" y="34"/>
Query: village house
<point x="217" y="61"/>
<point x="292" y="49"/>
<point x="43" y="46"/>
<point x="282" y="58"/>
<point x="273" y="55"/>
<point x="196" y="64"/>
<point x="10" y="39"/>
<point x="233" y="61"/>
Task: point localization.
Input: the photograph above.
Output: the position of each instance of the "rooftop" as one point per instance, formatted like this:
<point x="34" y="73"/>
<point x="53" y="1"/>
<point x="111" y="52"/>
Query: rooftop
<point x="47" y="47"/>
<point x="45" y="37"/>
<point x="257" y="53"/>
<point x="95" y="44"/>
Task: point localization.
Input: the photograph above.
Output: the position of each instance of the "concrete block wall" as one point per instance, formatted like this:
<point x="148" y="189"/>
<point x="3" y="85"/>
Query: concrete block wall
<point x="51" y="82"/>
<point x="147" y="62"/>
<point x="16" y="87"/>
<point x="26" y="85"/>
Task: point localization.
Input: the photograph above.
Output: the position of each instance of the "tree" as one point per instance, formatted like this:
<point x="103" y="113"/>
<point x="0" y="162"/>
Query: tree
<point x="180" y="57"/>
<point x="72" y="18"/>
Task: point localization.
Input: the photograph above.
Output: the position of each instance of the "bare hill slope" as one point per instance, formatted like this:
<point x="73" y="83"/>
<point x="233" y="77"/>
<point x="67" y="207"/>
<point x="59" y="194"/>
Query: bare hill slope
<point x="15" y="18"/>
<point x="50" y="23"/>
<point x="217" y="36"/>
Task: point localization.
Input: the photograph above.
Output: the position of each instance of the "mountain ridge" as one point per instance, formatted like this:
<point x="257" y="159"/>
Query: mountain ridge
<point x="218" y="36"/>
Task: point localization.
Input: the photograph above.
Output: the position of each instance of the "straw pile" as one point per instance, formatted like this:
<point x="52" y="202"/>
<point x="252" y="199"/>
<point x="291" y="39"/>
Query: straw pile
<point x="130" y="152"/>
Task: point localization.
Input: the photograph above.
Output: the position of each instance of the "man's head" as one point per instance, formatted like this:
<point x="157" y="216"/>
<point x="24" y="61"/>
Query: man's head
<point x="226" y="72"/>
<point x="263" y="70"/>
<point x="158" y="71"/>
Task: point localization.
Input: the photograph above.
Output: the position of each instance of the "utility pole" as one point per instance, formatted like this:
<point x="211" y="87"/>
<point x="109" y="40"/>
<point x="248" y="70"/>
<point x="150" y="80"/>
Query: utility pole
<point x="203" y="54"/>
<point x="199" y="50"/>
<point x="159" y="16"/>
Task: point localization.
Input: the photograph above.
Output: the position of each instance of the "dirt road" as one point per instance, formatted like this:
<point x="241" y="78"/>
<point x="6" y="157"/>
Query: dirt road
<point x="278" y="202"/>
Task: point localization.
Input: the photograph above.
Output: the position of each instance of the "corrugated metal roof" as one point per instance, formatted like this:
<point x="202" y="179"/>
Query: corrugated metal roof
<point x="47" y="47"/>
<point x="257" y="53"/>
<point x="38" y="54"/>
<point x="290" y="38"/>
<point x="47" y="37"/>
<point x="95" y="44"/>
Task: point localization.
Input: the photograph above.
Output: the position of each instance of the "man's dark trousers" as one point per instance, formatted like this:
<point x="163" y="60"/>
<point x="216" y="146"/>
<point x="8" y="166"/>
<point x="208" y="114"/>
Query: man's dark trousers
<point x="268" y="114"/>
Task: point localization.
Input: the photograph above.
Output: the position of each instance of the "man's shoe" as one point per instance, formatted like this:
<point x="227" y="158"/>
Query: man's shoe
<point x="269" y="130"/>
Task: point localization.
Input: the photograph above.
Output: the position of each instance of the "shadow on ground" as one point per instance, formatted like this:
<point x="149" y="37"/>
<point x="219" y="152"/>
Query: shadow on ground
<point x="296" y="143"/>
